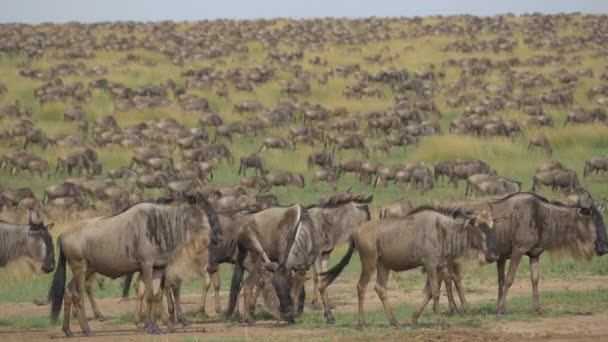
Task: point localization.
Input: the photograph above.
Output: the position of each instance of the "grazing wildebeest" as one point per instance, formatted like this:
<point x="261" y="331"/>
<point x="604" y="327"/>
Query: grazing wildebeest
<point x="335" y="218"/>
<point x="442" y="168"/>
<point x="285" y="178"/>
<point x="61" y="190"/>
<point x="566" y="180"/>
<point x="255" y="161"/>
<point x="277" y="143"/>
<point x="528" y="224"/>
<point x="283" y="241"/>
<point x="31" y="241"/>
<point x="399" y="208"/>
<point x="12" y="197"/>
<point x="550" y="166"/>
<point x="429" y="237"/>
<point x="325" y="175"/>
<point x="349" y="165"/>
<point x="464" y="168"/>
<point x="542" y="142"/>
<point x="323" y="159"/>
<point x="596" y="164"/>
<point x="145" y="237"/>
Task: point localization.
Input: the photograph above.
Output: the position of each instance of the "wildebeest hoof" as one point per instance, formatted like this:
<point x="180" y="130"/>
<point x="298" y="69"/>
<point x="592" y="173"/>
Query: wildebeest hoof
<point x="68" y="332"/>
<point x="538" y="310"/>
<point x="396" y="324"/>
<point x="184" y="321"/>
<point x="331" y="320"/>
<point x="203" y="314"/>
<point x="444" y="324"/>
<point x="99" y="317"/>
<point x="414" y="319"/>
<point x="316" y="306"/>
<point x="86" y="332"/>
<point x="362" y="326"/>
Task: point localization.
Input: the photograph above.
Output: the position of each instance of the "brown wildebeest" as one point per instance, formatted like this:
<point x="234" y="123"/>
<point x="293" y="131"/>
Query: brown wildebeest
<point x="336" y="217"/>
<point x="61" y="190"/>
<point x="146" y="238"/>
<point x="462" y="169"/>
<point x="12" y="198"/>
<point x="31" y="241"/>
<point x="255" y="161"/>
<point x="349" y="165"/>
<point x="399" y="208"/>
<point x="283" y="241"/>
<point x="259" y="183"/>
<point x="550" y="166"/>
<point x="540" y="141"/>
<point x="385" y="174"/>
<point x="325" y="175"/>
<point x="566" y="180"/>
<point x="351" y="142"/>
<point x="429" y="237"/>
<point x="529" y="224"/>
<point x="596" y="164"/>
<point x="277" y="143"/>
<point x="285" y="178"/>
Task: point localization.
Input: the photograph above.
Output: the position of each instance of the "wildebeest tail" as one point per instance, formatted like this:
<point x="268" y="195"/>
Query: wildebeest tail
<point x="57" y="290"/>
<point x="235" y="286"/>
<point x="585" y="169"/>
<point x="126" y="285"/>
<point x="330" y="275"/>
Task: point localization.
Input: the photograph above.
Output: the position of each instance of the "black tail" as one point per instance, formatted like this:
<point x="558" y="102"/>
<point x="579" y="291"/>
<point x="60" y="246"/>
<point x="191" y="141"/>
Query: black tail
<point x="586" y="169"/>
<point x="331" y="275"/>
<point x="126" y="285"/>
<point x="235" y="286"/>
<point x="57" y="289"/>
<point x="214" y="221"/>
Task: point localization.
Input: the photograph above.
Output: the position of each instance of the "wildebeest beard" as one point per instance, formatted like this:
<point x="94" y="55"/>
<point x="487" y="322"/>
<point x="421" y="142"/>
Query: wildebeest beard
<point x="601" y="242"/>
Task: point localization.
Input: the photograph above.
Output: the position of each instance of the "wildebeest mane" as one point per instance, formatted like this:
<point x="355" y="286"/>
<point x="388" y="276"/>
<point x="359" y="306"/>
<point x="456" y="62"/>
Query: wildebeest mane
<point x="336" y="200"/>
<point x="12" y="242"/>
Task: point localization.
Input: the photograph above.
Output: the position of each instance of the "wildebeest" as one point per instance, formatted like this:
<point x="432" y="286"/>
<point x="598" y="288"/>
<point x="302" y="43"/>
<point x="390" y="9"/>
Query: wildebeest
<point x="255" y="161"/>
<point x="323" y="159"/>
<point x="325" y="175"/>
<point x="335" y="218"/>
<point x="596" y="164"/>
<point x="283" y="241"/>
<point x="528" y="224"/>
<point x="32" y="241"/>
<point x="542" y="142"/>
<point x="565" y="180"/>
<point x="144" y="238"/>
<point x="285" y="178"/>
<point x="462" y="169"/>
<point x="399" y="208"/>
<point x="277" y="143"/>
<point x="429" y="237"/>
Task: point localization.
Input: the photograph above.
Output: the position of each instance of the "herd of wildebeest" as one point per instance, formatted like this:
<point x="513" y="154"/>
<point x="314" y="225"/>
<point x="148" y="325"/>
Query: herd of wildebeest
<point x="196" y="225"/>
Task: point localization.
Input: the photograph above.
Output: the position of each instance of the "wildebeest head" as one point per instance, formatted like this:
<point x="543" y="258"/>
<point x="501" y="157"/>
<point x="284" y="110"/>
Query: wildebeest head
<point x="283" y="280"/>
<point x="483" y="236"/>
<point x="40" y="246"/>
<point x="590" y="230"/>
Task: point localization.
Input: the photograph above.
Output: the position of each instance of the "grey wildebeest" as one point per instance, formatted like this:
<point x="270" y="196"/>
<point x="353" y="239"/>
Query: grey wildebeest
<point x="528" y="224"/>
<point x="540" y="141"/>
<point x="335" y="218"/>
<point x="596" y="164"/>
<point x="283" y="241"/>
<point x="145" y="238"/>
<point x="562" y="179"/>
<point x="31" y="241"/>
<point x="433" y="238"/>
<point x="255" y="161"/>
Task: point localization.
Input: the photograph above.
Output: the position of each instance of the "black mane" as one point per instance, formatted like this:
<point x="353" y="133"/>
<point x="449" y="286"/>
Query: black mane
<point x="453" y="212"/>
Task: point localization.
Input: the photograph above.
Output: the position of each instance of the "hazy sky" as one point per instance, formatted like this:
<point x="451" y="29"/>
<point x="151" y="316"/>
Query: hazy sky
<point x="33" y="11"/>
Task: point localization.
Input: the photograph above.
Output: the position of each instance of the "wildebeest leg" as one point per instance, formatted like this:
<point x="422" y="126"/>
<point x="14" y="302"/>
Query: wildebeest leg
<point x="79" y="272"/>
<point x="500" y="267"/>
<point x="89" y="288"/>
<point x="427" y="297"/>
<point x="447" y="279"/>
<point x="216" y="289"/>
<point x="147" y="277"/>
<point x="368" y="265"/>
<point x="253" y="244"/>
<point x="67" y="308"/>
<point x="250" y="282"/>
<point x="139" y="301"/>
<point x="534" y="276"/>
<point x="435" y="283"/>
<point x="513" y="264"/>
<point x="202" y="308"/>
<point x="457" y="275"/>
<point x="316" y="270"/>
<point x="179" y="315"/>
<point x="170" y="303"/>
<point x="381" y="280"/>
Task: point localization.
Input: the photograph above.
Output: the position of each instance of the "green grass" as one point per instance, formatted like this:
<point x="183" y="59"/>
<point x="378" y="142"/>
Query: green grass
<point x="21" y="322"/>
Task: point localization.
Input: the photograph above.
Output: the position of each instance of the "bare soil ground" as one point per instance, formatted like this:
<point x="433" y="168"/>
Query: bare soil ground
<point x="578" y="327"/>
